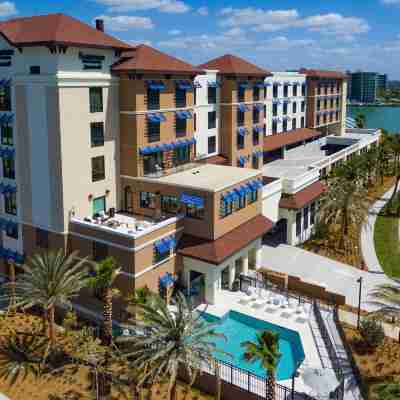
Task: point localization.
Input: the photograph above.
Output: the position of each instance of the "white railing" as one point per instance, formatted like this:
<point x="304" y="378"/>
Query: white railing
<point x="272" y="188"/>
<point x="293" y="185"/>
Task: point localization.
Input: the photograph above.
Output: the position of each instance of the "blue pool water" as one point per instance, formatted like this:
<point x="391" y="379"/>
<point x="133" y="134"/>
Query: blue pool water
<point x="239" y="328"/>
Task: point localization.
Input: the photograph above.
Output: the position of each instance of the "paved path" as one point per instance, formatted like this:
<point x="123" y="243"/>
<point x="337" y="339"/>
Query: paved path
<point x="367" y="234"/>
<point x="338" y="277"/>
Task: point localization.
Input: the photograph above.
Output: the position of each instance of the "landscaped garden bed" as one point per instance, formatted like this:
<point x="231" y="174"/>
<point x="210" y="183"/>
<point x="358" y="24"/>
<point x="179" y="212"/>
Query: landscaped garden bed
<point x="376" y="365"/>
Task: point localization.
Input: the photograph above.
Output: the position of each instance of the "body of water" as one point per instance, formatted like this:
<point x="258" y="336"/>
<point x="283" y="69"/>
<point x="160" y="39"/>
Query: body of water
<point x="379" y="117"/>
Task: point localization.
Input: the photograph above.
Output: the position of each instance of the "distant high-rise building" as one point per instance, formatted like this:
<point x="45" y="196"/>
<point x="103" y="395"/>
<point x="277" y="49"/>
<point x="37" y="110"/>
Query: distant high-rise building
<point x="381" y="82"/>
<point x="364" y="86"/>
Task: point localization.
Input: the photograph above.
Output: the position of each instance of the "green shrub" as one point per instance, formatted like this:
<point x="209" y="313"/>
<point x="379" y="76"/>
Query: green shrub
<point x="142" y="295"/>
<point x="372" y="332"/>
<point x="387" y="391"/>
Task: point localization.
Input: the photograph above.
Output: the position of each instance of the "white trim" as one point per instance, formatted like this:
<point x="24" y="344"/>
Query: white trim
<point x="153" y="266"/>
<point x="161" y="110"/>
<point x="130" y="249"/>
<point x="68" y="80"/>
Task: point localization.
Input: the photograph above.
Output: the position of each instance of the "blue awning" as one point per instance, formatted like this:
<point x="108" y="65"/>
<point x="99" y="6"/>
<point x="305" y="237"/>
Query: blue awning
<point x="242" y="160"/>
<point x="145" y="151"/>
<point x="243" y="85"/>
<point x="276" y="101"/>
<point x="243" y="107"/>
<point x="156" y="117"/>
<point x="241" y="130"/>
<point x="192" y="200"/>
<point x="259" y="106"/>
<point x="167" y="280"/>
<point x="286" y="118"/>
<point x="276" y="119"/>
<point x="227" y="198"/>
<point x="183" y="114"/>
<point x="213" y="84"/>
<point x="184" y="84"/>
<point x="257" y="129"/>
<point x="266" y="84"/>
<point x="286" y="101"/>
<point x="240" y="192"/>
<point x="7" y="153"/>
<point x="5" y="82"/>
<point x="234" y="195"/>
<point x="191" y="141"/>
<point x="161" y="247"/>
<point x="259" y="85"/>
<point x="155" y="85"/>
<point x="258" y="153"/>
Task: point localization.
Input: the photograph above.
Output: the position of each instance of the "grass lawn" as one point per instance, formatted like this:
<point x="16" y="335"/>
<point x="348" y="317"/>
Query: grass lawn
<point x="387" y="245"/>
<point x="380" y="365"/>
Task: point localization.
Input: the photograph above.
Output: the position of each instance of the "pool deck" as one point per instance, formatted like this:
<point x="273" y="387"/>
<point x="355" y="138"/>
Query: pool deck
<point x="314" y="349"/>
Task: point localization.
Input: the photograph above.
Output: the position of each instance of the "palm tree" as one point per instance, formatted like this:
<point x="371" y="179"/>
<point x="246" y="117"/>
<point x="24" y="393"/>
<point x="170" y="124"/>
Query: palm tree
<point x="344" y="203"/>
<point x="173" y="339"/>
<point x="360" y="121"/>
<point x="103" y="279"/>
<point x="49" y="279"/>
<point x="266" y="350"/>
<point x="21" y="356"/>
<point x="387" y="298"/>
<point x="394" y="149"/>
<point x="387" y="391"/>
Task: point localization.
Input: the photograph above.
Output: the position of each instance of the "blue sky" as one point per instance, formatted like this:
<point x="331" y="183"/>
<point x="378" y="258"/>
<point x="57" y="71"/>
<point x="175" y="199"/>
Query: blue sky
<point x="279" y="35"/>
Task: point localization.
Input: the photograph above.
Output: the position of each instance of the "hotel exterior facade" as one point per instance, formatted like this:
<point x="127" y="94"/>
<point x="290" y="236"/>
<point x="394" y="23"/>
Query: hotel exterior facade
<point x="121" y="151"/>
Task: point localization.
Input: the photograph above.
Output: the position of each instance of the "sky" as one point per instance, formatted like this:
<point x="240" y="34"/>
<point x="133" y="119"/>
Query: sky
<point x="275" y="34"/>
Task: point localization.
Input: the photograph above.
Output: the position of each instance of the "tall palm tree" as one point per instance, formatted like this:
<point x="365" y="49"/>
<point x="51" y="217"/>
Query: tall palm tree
<point x="344" y="203"/>
<point x="266" y="350"/>
<point x="173" y="339"/>
<point x="387" y="298"/>
<point x="103" y="279"/>
<point x="47" y="280"/>
<point x="394" y="149"/>
<point x="360" y="120"/>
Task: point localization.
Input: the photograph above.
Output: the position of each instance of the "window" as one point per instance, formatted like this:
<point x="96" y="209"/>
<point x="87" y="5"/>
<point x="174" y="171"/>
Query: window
<point x="195" y="212"/>
<point x="338" y="87"/>
<point x="298" y="223"/>
<point x="256" y="94"/>
<point x="7" y="135"/>
<point x="147" y="200"/>
<point x="181" y="156"/>
<point x="99" y="205"/>
<point x="302" y="122"/>
<point x="284" y="125"/>
<point x="312" y="214"/>
<point x="153" y="131"/>
<point x="256" y="138"/>
<point x="265" y="129"/>
<point x="319" y="89"/>
<point x="180" y="127"/>
<point x="252" y="197"/>
<point x="98" y="169"/>
<point x="274" y="127"/>
<point x="275" y="90"/>
<point x="324" y="118"/>
<point x="170" y="204"/>
<point x="153" y="99"/>
<point x="285" y="90"/>
<point x="195" y="96"/>
<point x="240" y="117"/>
<point x="303" y="106"/>
<point x="212" y="119"/>
<point x="42" y="238"/>
<point x="34" y="69"/>
<point x="255" y="162"/>
<point x="295" y="90"/>
<point x="285" y="108"/>
<point x="326" y="89"/>
<point x="265" y="92"/>
<point x="159" y="257"/>
<point x="318" y="120"/>
<point x="8" y="168"/>
<point x="325" y="104"/>
<point x="97" y="134"/>
<point x="337" y="115"/>
<point x="153" y="163"/>
<point x="96" y="99"/>
<point x="294" y="107"/>
<point x="195" y="122"/>
<point x="240" y="203"/>
<point x="10" y="203"/>
<point x="99" y="251"/>
<point x="226" y="208"/>
<point x="256" y="116"/>
<point x="294" y="123"/>
<point x="241" y="94"/>
<point x="12" y="230"/>
<point x="318" y="105"/>
<point x="274" y="110"/>
<point x="180" y="97"/>
<point x="306" y="214"/>
<point x="212" y="95"/>
<point x="337" y="103"/>
<point x="332" y="103"/>
<point x="240" y="141"/>
<point x="212" y="144"/>
<point x="303" y="89"/>
<point x="265" y="111"/>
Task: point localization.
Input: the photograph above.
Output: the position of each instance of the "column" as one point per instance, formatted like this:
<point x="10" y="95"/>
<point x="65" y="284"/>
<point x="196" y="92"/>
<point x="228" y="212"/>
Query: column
<point x="245" y="264"/>
<point x="211" y="282"/>
<point x="186" y="280"/>
<point x="231" y="275"/>
<point x="258" y="257"/>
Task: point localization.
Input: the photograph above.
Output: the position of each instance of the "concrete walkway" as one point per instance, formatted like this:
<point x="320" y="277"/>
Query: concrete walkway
<point x="367" y="235"/>
<point x="338" y="277"/>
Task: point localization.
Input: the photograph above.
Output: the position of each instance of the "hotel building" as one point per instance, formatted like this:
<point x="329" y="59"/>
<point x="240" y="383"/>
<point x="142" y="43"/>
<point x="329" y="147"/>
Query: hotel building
<point x="172" y="169"/>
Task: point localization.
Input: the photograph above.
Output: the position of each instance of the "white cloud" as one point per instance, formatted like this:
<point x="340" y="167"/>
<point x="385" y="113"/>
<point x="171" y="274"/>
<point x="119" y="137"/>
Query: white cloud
<point x="122" y="23"/>
<point x="202" y="11"/>
<point x="282" y="43"/>
<point x="166" y="6"/>
<point x="174" y="32"/>
<point x="276" y="20"/>
<point x="7" y="9"/>
<point x="139" y="42"/>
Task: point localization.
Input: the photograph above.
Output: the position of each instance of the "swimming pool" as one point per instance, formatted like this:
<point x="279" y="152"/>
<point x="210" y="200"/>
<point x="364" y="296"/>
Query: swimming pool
<point x="239" y="328"/>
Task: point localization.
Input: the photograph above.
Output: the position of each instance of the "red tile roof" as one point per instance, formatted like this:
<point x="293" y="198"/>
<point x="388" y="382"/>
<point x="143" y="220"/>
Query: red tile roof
<point x="302" y="198"/>
<point x="217" y="160"/>
<point x="146" y="59"/>
<point x="56" y="29"/>
<point x="273" y="142"/>
<point x="229" y="64"/>
<point x="216" y="251"/>
<point x="316" y="73"/>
